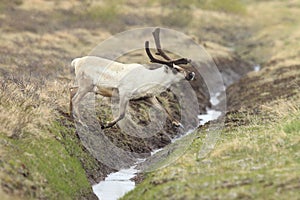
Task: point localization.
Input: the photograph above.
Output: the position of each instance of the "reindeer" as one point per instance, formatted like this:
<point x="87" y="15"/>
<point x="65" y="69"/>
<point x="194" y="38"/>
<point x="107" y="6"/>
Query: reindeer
<point x="129" y="81"/>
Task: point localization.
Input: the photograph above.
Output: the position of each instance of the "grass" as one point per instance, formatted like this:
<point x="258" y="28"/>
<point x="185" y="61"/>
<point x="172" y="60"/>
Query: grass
<point x="4" y="4"/>
<point x="275" y="40"/>
<point x="21" y="107"/>
<point x="178" y="17"/>
<point x="107" y="13"/>
<point x="293" y="126"/>
<point x="258" y="159"/>
<point x="180" y="14"/>
<point x="226" y="6"/>
<point x="41" y="157"/>
<point x="43" y="168"/>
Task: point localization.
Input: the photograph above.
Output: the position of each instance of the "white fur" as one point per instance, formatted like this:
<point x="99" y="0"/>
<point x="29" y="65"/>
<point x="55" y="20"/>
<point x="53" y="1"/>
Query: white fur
<point x="130" y="80"/>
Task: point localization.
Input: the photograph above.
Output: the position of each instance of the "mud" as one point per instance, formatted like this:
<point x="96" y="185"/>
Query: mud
<point x="269" y="84"/>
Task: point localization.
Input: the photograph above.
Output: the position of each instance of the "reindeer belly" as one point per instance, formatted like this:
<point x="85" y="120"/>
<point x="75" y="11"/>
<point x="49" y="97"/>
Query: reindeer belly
<point x="148" y="90"/>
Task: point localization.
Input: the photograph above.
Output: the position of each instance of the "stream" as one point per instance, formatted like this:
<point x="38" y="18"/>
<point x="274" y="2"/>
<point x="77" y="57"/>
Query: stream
<point x="117" y="184"/>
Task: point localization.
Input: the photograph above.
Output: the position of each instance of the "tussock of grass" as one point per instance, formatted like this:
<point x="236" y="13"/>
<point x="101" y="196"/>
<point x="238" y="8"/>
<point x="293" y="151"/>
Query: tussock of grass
<point x="22" y="110"/>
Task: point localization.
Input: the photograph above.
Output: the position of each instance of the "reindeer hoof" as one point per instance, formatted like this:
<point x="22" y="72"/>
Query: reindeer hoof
<point x="107" y="125"/>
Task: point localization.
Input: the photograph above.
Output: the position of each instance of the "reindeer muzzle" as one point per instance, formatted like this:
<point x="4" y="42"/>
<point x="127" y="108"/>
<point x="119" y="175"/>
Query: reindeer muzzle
<point x="190" y="76"/>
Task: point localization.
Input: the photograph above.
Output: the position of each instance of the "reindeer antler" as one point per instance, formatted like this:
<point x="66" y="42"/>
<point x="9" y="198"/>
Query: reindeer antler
<point x="155" y="60"/>
<point x="160" y="52"/>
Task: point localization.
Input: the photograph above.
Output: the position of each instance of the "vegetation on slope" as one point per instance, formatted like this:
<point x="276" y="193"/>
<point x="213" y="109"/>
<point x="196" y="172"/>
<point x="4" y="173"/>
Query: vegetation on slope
<point x="41" y="157"/>
<point x="257" y="157"/>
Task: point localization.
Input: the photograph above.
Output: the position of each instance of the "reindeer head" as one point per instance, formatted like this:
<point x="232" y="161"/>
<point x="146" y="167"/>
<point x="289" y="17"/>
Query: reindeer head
<point x="173" y="64"/>
<point x="189" y="76"/>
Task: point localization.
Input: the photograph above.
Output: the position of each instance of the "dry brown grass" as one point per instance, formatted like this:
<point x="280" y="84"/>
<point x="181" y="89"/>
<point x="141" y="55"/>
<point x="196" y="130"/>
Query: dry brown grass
<point x="249" y="139"/>
<point x="28" y="105"/>
<point x="278" y="33"/>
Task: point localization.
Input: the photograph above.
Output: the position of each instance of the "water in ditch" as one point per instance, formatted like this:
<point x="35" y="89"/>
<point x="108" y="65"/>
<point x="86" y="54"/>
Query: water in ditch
<point x="117" y="184"/>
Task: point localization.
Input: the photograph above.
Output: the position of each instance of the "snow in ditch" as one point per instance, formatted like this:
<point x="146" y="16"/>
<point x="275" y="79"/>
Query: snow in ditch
<point x="214" y="99"/>
<point x="116" y="184"/>
<point x="211" y="114"/>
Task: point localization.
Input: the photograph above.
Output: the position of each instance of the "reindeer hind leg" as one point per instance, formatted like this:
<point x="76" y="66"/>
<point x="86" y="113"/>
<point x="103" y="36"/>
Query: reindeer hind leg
<point x="73" y="90"/>
<point x="85" y="85"/>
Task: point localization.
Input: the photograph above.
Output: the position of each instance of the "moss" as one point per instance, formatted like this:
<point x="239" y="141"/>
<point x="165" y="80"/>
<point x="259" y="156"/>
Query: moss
<point x="46" y="167"/>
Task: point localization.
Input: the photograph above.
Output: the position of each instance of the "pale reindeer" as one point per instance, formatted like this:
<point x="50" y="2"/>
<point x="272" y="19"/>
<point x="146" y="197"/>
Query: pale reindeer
<point x="129" y="81"/>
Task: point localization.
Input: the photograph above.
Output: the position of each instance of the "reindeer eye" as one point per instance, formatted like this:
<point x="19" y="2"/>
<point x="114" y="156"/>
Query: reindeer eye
<point x="175" y="70"/>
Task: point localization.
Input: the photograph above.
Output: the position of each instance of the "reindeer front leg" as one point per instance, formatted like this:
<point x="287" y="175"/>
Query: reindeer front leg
<point x="122" y="109"/>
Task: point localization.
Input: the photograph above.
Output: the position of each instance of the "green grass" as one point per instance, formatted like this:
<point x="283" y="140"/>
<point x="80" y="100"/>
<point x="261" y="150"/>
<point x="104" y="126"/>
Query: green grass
<point x="227" y="6"/>
<point x="105" y="13"/>
<point x="178" y="17"/>
<point x="46" y="167"/>
<point x="293" y="126"/>
<point x="255" y="158"/>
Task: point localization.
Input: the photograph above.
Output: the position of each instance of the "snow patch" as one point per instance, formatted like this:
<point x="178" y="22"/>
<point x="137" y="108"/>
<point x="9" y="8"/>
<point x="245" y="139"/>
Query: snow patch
<point x="116" y="184"/>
